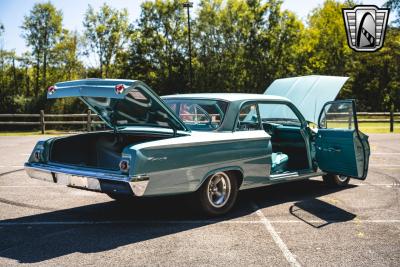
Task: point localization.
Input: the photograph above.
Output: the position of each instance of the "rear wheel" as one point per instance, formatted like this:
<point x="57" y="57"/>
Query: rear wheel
<point x="218" y="194"/>
<point x="336" y="180"/>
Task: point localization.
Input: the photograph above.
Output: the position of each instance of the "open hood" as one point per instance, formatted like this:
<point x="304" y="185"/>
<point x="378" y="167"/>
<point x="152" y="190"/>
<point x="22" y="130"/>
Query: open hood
<point x="120" y="103"/>
<point x="308" y="93"/>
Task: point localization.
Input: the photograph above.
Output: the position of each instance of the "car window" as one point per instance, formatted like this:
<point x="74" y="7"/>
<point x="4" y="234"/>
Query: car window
<point x="278" y="113"/>
<point x="199" y="114"/>
<point x="338" y="115"/>
<point x="248" y="118"/>
<point x="193" y="113"/>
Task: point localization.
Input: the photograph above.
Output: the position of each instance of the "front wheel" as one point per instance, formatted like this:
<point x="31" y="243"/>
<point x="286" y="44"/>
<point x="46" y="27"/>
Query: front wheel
<point x="336" y="180"/>
<point x="218" y="194"/>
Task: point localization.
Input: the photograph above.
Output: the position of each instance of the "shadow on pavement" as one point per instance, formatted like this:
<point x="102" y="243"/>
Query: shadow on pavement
<point x="141" y="220"/>
<point x="326" y="212"/>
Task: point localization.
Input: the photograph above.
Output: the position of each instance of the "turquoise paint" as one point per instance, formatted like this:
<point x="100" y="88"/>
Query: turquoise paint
<point x="183" y="168"/>
<point x="308" y="93"/>
<point x="339" y="151"/>
<point x="153" y="111"/>
<point x="182" y="163"/>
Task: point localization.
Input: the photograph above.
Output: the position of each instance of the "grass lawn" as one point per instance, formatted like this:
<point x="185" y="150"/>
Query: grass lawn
<point x="378" y="127"/>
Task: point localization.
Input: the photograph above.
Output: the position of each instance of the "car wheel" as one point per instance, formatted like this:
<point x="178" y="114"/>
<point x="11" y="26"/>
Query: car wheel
<point x="218" y="194"/>
<point x="336" y="180"/>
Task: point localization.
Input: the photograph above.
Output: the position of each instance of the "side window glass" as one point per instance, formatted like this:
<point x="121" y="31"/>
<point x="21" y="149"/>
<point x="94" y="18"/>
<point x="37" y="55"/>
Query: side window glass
<point x="193" y="113"/>
<point x="248" y="118"/>
<point x="278" y="113"/>
<point x="337" y="115"/>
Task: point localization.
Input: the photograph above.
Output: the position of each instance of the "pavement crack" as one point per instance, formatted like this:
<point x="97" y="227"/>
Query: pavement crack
<point x="9" y="172"/>
<point x="19" y="204"/>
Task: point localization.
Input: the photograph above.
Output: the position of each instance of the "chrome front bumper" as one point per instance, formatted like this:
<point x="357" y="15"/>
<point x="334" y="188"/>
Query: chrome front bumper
<point x="90" y="180"/>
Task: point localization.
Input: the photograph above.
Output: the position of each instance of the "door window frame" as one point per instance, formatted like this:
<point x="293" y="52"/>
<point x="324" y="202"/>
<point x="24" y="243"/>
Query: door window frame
<point x="243" y="104"/>
<point x="353" y="106"/>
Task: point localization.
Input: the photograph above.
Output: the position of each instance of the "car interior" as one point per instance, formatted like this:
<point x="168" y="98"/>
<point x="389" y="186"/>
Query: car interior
<point x="288" y="144"/>
<point x="289" y="151"/>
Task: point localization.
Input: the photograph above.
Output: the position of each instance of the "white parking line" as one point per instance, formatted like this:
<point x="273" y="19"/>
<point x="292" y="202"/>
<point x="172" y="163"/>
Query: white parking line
<point x="387" y="185"/>
<point x="384" y="165"/>
<point x="203" y="222"/>
<point x="384" y="153"/>
<point x="282" y="246"/>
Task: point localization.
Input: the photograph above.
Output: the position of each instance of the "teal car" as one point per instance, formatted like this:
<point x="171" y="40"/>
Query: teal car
<point x="211" y="145"/>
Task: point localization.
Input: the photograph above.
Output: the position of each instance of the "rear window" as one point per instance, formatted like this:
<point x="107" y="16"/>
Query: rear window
<point x="199" y="114"/>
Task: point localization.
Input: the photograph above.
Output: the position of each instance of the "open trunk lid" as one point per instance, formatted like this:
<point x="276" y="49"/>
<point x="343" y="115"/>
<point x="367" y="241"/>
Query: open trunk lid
<point x="120" y="103"/>
<point x="308" y="93"/>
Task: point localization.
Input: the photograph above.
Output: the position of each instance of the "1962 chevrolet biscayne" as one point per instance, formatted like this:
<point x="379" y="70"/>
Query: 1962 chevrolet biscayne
<point x="210" y="144"/>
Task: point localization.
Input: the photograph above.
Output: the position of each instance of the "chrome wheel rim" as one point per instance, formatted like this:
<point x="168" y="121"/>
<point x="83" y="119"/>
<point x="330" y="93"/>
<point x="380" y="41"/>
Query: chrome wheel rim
<point x="342" y="178"/>
<point x="218" y="189"/>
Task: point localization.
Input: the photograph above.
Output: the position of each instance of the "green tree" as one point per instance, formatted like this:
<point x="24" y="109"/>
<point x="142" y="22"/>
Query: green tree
<point x="241" y="46"/>
<point x="375" y="77"/>
<point x="394" y="5"/>
<point x="41" y="29"/>
<point x="106" y="31"/>
<point x="157" y="52"/>
<point x="65" y="57"/>
<point x="324" y="46"/>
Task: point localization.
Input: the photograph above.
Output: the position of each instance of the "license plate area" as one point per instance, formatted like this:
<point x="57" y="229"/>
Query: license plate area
<point x="78" y="181"/>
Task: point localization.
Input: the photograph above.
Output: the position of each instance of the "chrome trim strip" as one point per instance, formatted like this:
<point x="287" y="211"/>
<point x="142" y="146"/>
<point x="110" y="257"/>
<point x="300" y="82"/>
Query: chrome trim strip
<point x="295" y="175"/>
<point x="84" y="179"/>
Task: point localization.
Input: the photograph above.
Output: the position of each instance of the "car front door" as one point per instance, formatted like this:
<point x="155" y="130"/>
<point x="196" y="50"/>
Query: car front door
<point x="340" y="147"/>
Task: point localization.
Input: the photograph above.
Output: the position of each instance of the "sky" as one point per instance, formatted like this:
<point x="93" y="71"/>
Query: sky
<point x="12" y="13"/>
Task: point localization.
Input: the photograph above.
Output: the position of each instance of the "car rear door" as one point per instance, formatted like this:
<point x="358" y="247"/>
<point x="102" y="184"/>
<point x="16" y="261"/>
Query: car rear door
<point x="340" y="147"/>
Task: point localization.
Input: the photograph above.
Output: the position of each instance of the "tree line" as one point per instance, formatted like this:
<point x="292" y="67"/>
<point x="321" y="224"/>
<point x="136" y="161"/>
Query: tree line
<point x="237" y="46"/>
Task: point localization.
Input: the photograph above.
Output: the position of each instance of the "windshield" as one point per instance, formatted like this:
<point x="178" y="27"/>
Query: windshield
<point x="199" y="114"/>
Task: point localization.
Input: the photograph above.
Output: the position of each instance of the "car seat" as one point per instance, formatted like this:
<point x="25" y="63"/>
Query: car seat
<point x="279" y="162"/>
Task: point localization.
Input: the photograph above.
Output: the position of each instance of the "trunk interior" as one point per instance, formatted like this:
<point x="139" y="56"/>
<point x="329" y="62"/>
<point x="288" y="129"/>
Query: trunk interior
<point x="96" y="150"/>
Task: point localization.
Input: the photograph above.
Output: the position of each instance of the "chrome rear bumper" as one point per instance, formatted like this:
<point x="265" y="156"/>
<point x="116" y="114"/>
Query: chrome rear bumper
<point x="90" y="180"/>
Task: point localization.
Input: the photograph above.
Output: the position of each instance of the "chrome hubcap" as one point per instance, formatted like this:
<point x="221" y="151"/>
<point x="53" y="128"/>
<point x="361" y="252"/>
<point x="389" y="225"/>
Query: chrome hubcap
<point x="342" y="178"/>
<point x="219" y="189"/>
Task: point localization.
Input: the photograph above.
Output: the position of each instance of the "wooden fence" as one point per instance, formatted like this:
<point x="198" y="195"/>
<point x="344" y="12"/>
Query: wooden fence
<point x="90" y="119"/>
<point x="87" y="119"/>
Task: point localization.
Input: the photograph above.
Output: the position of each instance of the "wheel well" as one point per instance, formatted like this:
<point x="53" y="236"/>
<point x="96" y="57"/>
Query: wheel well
<point x="237" y="174"/>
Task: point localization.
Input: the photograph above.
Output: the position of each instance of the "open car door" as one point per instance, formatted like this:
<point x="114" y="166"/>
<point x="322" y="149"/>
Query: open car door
<point x="340" y="147"/>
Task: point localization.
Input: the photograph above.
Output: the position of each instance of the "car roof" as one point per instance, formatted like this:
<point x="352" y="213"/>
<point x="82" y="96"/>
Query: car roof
<point x="230" y="97"/>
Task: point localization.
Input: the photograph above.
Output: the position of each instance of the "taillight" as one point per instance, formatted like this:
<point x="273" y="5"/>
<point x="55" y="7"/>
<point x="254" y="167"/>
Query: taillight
<point x="52" y="89"/>
<point x="119" y="89"/>
<point x="124" y="165"/>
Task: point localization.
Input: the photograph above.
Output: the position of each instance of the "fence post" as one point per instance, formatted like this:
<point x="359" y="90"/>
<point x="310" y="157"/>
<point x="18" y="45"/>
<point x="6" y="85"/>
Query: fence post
<point x="89" y="120"/>
<point x="350" y="119"/>
<point x="391" y="121"/>
<point x="42" y="123"/>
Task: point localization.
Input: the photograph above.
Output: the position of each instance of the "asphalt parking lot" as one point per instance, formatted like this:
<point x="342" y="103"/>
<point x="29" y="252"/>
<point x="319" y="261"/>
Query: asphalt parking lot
<point x="299" y="224"/>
